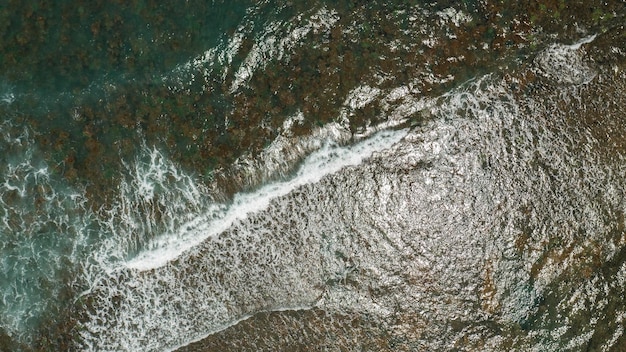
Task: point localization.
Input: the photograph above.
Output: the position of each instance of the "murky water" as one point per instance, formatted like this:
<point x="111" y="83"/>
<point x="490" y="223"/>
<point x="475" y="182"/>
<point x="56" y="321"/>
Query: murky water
<point x="324" y="177"/>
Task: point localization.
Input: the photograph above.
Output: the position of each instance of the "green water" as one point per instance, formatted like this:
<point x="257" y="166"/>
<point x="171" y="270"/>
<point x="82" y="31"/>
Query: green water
<point x="65" y="47"/>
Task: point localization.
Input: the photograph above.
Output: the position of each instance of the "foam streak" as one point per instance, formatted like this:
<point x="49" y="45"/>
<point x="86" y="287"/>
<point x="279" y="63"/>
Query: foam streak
<point x="328" y="160"/>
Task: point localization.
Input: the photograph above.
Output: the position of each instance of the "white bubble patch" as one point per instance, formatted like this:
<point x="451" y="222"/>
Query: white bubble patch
<point x="278" y="39"/>
<point x="470" y="221"/>
<point x="564" y="63"/>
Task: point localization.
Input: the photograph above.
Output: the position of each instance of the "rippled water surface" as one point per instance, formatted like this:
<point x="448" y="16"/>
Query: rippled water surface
<point x="403" y="176"/>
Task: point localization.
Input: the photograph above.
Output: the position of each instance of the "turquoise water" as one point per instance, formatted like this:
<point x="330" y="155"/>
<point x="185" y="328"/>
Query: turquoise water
<point x="171" y="172"/>
<point x="65" y="47"/>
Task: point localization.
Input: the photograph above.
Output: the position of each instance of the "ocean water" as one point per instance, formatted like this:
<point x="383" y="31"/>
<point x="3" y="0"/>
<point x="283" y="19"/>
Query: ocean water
<point x="289" y="175"/>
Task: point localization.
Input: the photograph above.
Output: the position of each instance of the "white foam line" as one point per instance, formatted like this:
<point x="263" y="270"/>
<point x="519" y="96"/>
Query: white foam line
<point x="239" y="320"/>
<point x="328" y="160"/>
<point x="581" y="42"/>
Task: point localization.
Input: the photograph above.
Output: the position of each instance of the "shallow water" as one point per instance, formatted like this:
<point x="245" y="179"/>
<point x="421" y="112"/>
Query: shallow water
<point x="323" y="176"/>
